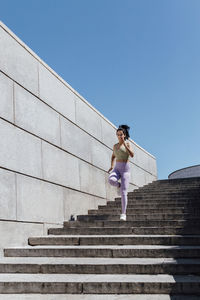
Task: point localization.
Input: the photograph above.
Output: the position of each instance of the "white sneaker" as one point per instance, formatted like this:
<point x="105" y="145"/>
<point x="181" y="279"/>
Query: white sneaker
<point x="123" y="217"/>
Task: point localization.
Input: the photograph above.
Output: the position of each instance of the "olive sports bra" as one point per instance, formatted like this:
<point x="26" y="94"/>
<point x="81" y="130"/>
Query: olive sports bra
<point x="121" y="152"/>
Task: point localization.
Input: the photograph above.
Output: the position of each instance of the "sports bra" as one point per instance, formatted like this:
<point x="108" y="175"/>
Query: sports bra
<point x="121" y="153"/>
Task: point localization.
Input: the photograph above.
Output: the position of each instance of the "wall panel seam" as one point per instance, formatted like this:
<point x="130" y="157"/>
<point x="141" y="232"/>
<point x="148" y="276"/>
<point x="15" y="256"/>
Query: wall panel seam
<point x="43" y="101"/>
<point x="50" y="182"/>
<point x="35" y="135"/>
<point x="57" y="184"/>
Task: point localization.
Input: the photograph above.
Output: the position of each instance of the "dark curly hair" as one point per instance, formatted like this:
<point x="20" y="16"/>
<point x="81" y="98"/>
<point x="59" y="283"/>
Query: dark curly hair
<point x="125" y="129"/>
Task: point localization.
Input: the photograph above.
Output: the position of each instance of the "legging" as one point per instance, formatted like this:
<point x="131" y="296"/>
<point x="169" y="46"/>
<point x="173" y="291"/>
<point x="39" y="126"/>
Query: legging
<point x="121" y="170"/>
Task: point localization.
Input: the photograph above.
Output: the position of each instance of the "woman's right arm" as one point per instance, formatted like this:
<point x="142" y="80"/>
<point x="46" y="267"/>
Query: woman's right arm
<point x="112" y="160"/>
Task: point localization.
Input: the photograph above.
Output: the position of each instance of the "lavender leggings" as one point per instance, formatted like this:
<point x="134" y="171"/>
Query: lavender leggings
<point x="121" y="170"/>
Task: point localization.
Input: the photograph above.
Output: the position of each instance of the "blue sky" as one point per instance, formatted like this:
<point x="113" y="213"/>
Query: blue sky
<point x="136" y="61"/>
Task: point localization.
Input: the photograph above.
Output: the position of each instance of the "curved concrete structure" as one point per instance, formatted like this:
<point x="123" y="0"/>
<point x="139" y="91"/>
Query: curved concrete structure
<point x="193" y="171"/>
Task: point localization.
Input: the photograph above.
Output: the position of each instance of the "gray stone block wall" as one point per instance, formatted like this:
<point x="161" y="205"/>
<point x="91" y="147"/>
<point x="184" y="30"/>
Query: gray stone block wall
<point x="55" y="147"/>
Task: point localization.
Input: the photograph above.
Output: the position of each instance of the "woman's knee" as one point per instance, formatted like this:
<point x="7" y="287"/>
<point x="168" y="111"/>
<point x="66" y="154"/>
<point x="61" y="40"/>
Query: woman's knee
<point x="113" y="180"/>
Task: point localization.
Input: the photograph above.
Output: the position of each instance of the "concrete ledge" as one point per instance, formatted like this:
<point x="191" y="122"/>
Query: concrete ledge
<point x="100" y="284"/>
<point x="105" y="251"/>
<point x="97" y="297"/>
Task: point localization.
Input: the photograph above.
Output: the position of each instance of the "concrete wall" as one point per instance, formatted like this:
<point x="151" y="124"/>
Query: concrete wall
<point x="55" y="147"/>
<point x="193" y="171"/>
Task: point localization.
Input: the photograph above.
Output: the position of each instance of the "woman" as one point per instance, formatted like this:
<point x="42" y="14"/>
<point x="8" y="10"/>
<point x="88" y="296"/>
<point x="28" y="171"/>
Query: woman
<point x="121" y="151"/>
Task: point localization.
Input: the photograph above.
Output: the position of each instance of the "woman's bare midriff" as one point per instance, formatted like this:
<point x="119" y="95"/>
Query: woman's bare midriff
<point x="122" y="160"/>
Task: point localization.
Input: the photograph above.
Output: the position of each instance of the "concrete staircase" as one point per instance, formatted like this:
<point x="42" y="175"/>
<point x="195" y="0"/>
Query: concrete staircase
<point x="155" y="254"/>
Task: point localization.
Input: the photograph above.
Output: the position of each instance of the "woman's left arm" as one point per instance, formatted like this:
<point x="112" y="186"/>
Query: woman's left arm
<point x="129" y="149"/>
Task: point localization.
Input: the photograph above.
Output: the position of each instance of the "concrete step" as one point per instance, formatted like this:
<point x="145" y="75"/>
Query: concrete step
<point x="132" y="205"/>
<point x="84" y="265"/>
<point x="161" y="200"/>
<point x="177" y="181"/>
<point x="135" y="217"/>
<point x="166" y="188"/>
<point x="115" y="240"/>
<point x="99" y="284"/>
<point x="129" y="211"/>
<point x="153" y="201"/>
<point x="151" y="205"/>
<point x="165" y="191"/>
<point x="127" y="251"/>
<point x="97" y="297"/>
<point x="148" y="207"/>
<point x="188" y="180"/>
<point x="139" y="223"/>
<point x="151" y="197"/>
<point x="125" y="230"/>
<point x="174" y="198"/>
